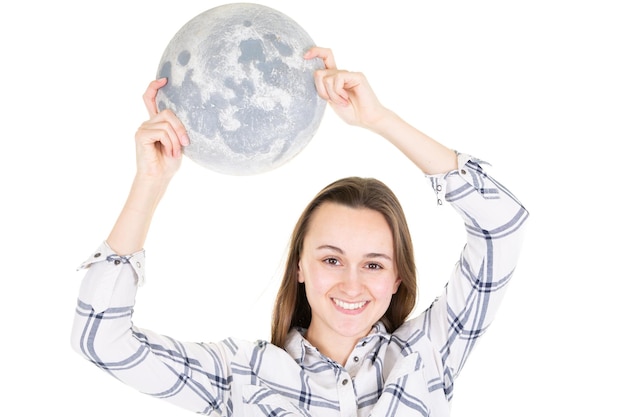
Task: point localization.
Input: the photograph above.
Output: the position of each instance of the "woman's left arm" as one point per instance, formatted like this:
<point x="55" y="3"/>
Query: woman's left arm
<point x="494" y="224"/>
<point x="354" y="101"/>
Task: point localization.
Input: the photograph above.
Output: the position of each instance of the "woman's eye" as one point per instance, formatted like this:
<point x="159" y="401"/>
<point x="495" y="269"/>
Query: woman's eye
<point x="331" y="261"/>
<point x="374" y="266"/>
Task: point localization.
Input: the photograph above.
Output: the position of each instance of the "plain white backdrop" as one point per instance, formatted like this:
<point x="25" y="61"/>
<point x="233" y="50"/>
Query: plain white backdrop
<point x="537" y="88"/>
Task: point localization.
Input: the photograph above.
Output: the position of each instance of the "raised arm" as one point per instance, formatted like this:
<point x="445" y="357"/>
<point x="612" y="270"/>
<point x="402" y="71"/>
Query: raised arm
<point x="103" y="331"/>
<point x="352" y="98"/>
<point x="159" y="142"/>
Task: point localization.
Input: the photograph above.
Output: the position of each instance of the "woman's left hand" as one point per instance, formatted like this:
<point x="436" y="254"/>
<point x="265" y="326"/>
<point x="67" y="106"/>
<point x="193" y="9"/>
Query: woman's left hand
<point x="348" y="93"/>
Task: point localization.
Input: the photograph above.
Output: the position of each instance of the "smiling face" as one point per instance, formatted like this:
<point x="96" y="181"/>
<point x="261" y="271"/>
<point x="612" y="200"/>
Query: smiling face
<point x="348" y="269"/>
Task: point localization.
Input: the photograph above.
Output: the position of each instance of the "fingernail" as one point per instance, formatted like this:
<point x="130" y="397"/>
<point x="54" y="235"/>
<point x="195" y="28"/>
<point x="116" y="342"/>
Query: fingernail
<point x="185" y="140"/>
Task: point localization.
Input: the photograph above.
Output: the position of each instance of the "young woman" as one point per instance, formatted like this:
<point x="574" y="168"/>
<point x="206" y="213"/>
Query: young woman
<point x="341" y="344"/>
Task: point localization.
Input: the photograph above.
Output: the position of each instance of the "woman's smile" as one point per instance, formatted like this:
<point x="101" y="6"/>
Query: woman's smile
<point x="349" y="307"/>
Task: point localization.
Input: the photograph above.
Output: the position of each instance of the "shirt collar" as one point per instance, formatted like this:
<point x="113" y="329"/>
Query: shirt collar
<point x="297" y="346"/>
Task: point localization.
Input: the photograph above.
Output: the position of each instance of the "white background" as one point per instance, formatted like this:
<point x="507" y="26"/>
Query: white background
<point x="537" y="88"/>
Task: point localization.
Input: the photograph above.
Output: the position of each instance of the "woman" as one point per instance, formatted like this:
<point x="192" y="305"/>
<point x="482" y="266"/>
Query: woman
<point x="340" y="344"/>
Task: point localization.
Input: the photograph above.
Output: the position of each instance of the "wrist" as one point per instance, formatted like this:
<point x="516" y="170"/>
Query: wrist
<point x="131" y="228"/>
<point x="146" y="192"/>
<point x="385" y="123"/>
<point x="151" y="182"/>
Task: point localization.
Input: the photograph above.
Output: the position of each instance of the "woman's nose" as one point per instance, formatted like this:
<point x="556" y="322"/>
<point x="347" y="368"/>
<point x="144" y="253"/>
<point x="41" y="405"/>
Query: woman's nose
<point x="351" y="282"/>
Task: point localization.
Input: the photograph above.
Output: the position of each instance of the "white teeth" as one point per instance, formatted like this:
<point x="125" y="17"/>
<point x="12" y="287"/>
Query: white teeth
<point x="349" y="306"/>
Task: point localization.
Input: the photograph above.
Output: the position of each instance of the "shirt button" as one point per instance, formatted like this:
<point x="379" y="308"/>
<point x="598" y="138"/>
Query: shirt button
<point x="439" y="188"/>
<point x="344" y="382"/>
<point x="138" y="264"/>
<point x="463" y="172"/>
<point x="117" y="262"/>
<point x="97" y="255"/>
<point x="356" y="359"/>
<point x="439" y="202"/>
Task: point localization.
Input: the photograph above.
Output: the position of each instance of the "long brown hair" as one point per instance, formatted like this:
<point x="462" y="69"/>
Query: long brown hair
<point x="291" y="307"/>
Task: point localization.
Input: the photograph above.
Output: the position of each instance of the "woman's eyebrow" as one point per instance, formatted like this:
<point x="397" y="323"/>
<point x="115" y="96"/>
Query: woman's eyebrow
<point x="368" y="255"/>
<point x="378" y="255"/>
<point x="331" y="247"/>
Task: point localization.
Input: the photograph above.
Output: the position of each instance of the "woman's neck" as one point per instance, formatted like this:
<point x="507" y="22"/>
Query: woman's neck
<point x="337" y="348"/>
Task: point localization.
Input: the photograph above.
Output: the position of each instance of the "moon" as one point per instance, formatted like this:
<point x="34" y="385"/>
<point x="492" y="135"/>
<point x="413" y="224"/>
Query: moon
<point x="238" y="82"/>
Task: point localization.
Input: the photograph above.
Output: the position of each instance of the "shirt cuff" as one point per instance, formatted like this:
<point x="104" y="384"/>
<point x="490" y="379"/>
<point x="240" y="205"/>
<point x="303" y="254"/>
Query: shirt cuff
<point x="469" y="170"/>
<point x="105" y="253"/>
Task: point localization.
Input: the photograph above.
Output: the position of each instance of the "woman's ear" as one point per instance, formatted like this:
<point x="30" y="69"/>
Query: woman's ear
<point x="396" y="284"/>
<point x="300" y="277"/>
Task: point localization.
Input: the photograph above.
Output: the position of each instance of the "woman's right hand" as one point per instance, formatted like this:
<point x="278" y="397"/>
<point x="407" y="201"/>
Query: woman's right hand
<point x="159" y="144"/>
<point x="160" y="140"/>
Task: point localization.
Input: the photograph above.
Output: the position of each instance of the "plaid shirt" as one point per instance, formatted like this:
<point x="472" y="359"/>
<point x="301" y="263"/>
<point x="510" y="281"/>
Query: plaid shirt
<point x="409" y="372"/>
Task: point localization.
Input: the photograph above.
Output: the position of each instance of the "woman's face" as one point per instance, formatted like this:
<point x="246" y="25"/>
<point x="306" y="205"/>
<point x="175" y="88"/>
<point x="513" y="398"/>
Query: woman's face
<point x="348" y="269"/>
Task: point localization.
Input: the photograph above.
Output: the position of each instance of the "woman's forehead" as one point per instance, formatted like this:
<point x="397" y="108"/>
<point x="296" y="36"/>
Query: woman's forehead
<point x="344" y="227"/>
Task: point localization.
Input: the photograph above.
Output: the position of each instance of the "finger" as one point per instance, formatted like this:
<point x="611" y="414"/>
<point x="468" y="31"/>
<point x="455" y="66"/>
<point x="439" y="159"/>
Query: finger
<point x="180" y="132"/>
<point x="348" y="81"/>
<point x="325" y="54"/>
<point x="326" y="82"/>
<point x="320" y="86"/>
<point x="155" y="135"/>
<point x="335" y="87"/>
<point x="149" y="97"/>
<point x="163" y="133"/>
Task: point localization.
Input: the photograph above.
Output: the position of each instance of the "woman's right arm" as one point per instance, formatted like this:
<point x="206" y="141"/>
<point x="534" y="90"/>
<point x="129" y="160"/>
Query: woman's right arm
<point x="103" y="331"/>
<point x="159" y="143"/>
